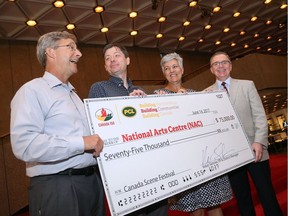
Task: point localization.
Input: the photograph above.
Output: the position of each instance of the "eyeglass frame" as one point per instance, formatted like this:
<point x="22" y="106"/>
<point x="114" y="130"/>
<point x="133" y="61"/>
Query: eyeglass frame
<point x="70" y="46"/>
<point x="218" y="63"/>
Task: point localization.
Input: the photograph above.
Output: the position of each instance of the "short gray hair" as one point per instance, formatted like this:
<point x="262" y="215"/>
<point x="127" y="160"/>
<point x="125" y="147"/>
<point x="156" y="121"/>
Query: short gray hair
<point x="169" y="57"/>
<point x="50" y="40"/>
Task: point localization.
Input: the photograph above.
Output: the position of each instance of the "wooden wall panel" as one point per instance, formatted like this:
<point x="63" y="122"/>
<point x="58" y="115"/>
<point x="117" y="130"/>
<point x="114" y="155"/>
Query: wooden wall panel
<point x="6" y="87"/>
<point x="90" y="70"/>
<point x="17" y="182"/>
<point x="4" y="204"/>
<point x="20" y="63"/>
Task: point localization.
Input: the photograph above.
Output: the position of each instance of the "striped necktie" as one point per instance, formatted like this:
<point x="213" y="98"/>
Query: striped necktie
<point x="224" y="86"/>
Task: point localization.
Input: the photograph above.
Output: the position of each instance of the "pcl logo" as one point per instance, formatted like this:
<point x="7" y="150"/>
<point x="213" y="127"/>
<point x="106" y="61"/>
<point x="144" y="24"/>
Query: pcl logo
<point x="129" y="111"/>
<point x="104" y="114"/>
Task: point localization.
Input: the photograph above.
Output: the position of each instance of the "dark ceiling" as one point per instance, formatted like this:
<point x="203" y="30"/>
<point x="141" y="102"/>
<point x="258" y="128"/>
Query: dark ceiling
<point x="14" y="14"/>
<point x="272" y="38"/>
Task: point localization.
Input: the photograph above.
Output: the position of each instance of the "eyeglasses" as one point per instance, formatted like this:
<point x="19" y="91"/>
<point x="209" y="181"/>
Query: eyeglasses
<point x="223" y="63"/>
<point x="70" y="46"/>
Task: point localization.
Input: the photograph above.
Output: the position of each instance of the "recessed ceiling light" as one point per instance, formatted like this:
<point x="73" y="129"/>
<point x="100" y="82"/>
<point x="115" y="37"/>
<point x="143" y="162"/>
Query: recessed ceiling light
<point x="201" y="40"/>
<point x="99" y="9"/>
<point x="193" y="3"/>
<point x="218" y="42"/>
<point x="233" y="44"/>
<point x="186" y="23"/>
<point x="280" y="39"/>
<point x="31" y="23"/>
<point x="133" y="33"/>
<point x="269" y="49"/>
<point x="246" y="46"/>
<point x="256" y="35"/>
<point x="242" y="33"/>
<point x="254" y="18"/>
<point x="267" y="1"/>
<point x="268" y="22"/>
<point x="104" y="29"/>
<point x="181" y="38"/>
<point x="226" y="30"/>
<point x="161" y="19"/>
<point x="258" y="48"/>
<point x="236" y="14"/>
<point x="159" y="35"/>
<point x="268" y="37"/>
<point x="58" y="4"/>
<point x="216" y="9"/>
<point x="207" y="26"/>
<point x="70" y="26"/>
<point x="283" y="6"/>
<point x="133" y="14"/>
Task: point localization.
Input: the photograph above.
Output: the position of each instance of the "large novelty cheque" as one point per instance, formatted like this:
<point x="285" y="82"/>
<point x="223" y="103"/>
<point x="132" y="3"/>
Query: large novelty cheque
<point x="158" y="146"/>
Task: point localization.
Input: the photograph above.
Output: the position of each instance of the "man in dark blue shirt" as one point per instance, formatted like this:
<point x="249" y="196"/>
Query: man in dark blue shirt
<point x="116" y="62"/>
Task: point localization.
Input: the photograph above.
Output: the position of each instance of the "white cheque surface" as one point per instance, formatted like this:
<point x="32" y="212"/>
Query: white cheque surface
<point x="158" y="146"/>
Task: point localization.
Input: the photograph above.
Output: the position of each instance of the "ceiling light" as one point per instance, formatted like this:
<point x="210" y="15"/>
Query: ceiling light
<point x="133" y="33"/>
<point x="280" y="39"/>
<point x="256" y="35"/>
<point x="226" y="30"/>
<point x="236" y="14"/>
<point x="207" y="26"/>
<point x="233" y="44"/>
<point x="159" y="35"/>
<point x="31" y="23"/>
<point x="186" y="23"/>
<point x="283" y="6"/>
<point x="58" y="4"/>
<point x="279" y="50"/>
<point x="281" y="25"/>
<point x="242" y="33"/>
<point x="104" y="29"/>
<point x="268" y="22"/>
<point x="193" y="3"/>
<point x="70" y="26"/>
<point x="269" y="49"/>
<point x="254" y="18"/>
<point x="267" y="1"/>
<point x="181" y="38"/>
<point x="258" y="48"/>
<point x="133" y="14"/>
<point x="162" y="19"/>
<point x="216" y="9"/>
<point x="246" y="46"/>
<point x="218" y="42"/>
<point x="99" y="9"/>
<point x="201" y="40"/>
<point x="268" y="37"/>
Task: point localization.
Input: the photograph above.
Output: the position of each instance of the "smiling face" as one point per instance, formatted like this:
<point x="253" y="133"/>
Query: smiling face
<point x="172" y="71"/>
<point x="221" y="67"/>
<point x="62" y="59"/>
<point x="115" y="62"/>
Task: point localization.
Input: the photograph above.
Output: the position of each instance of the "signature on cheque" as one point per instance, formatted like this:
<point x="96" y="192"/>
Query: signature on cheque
<point x="219" y="153"/>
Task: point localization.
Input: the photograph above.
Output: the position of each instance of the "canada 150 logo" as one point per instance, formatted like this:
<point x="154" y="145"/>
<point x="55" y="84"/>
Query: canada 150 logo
<point x="104" y="115"/>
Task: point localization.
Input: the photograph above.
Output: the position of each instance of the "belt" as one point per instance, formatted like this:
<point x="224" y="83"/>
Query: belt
<point x="87" y="171"/>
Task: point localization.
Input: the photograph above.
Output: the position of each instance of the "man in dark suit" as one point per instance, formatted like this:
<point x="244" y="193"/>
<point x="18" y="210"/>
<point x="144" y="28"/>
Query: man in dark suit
<point x="247" y="103"/>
